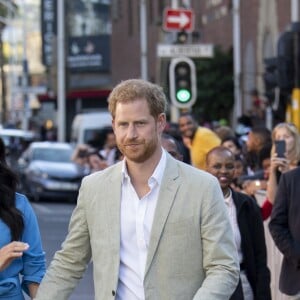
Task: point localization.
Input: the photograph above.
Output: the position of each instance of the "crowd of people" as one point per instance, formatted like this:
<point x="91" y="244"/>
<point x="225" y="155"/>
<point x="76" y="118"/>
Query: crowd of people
<point x="167" y="210"/>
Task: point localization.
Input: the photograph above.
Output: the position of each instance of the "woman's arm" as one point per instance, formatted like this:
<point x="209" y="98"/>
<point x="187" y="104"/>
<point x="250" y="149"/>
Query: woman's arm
<point x="277" y="164"/>
<point x="266" y="209"/>
<point x="33" y="287"/>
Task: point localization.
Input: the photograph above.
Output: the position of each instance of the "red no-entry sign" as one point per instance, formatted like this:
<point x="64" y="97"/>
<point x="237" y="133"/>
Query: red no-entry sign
<point x="178" y="19"/>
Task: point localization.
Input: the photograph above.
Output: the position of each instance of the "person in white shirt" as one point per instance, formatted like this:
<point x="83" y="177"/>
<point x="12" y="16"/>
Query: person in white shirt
<point x="148" y="228"/>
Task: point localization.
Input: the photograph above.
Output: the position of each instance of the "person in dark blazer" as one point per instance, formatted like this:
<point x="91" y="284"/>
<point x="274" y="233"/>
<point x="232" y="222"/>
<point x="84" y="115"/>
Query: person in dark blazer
<point x="247" y="226"/>
<point x="285" y="230"/>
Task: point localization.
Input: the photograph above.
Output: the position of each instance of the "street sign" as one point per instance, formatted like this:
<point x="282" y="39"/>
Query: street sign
<point x="193" y="50"/>
<point x="31" y="90"/>
<point x="178" y="19"/>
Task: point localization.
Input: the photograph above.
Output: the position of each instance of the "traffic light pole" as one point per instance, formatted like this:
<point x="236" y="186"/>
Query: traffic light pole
<point x="294" y="10"/>
<point x="143" y="37"/>
<point x="61" y="75"/>
<point x="25" y="121"/>
<point x="237" y="62"/>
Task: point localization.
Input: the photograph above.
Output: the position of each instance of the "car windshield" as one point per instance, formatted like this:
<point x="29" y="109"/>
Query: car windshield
<point x="53" y="155"/>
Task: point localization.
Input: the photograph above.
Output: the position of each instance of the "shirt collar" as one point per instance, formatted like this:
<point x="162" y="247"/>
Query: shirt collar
<point x="157" y="174"/>
<point x="228" y="199"/>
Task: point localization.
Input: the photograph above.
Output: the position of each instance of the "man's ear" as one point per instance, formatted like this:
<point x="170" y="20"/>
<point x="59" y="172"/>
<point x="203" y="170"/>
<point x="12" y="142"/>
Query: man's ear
<point x="161" y="120"/>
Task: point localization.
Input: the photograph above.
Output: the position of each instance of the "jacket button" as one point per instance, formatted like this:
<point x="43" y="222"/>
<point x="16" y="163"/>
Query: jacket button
<point x="113" y="293"/>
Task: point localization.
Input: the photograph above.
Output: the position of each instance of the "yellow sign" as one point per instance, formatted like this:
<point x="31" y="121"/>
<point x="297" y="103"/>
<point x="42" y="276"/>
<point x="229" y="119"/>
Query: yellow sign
<point x="295" y="107"/>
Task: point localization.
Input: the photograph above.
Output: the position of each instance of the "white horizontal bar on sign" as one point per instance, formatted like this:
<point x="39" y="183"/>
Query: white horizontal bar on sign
<point x="193" y="50"/>
<point x="30" y="90"/>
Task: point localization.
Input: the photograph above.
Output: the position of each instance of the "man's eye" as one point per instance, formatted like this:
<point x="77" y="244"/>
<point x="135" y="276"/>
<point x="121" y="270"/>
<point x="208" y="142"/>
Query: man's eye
<point x="217" y="167"/>
<point x="230" y="167"/>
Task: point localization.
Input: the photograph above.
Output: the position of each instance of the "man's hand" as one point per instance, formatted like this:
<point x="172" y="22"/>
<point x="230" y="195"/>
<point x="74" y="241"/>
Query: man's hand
<point x="11" y="251"/>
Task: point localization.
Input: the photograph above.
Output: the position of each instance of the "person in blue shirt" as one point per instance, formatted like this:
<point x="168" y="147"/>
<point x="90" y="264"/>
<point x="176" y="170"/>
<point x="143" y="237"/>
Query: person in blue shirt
<point x="22" y="259"/>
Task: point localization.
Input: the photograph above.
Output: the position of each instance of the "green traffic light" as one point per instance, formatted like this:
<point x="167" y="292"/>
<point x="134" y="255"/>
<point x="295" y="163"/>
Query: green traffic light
<point x="183" y="95"/>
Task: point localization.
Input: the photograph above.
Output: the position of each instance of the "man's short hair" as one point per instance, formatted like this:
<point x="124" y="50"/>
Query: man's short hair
<point x="134" y="89"/>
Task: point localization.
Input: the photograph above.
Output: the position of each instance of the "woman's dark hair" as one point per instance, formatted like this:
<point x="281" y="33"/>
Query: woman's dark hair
<point x="9" y="214"/>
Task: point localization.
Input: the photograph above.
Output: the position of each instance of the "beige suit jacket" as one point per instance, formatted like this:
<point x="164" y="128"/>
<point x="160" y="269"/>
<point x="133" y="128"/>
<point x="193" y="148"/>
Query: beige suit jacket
<point x="191" y="253"/>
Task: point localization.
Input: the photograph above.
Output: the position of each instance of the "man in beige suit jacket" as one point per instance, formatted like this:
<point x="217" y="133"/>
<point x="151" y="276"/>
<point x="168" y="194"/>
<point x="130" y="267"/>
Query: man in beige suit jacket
<point x="154" y="227"/>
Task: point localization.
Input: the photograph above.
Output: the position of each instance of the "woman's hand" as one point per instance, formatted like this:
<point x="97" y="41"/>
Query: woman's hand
<point x="280" y="164"/>
<point x="10" y="252"/>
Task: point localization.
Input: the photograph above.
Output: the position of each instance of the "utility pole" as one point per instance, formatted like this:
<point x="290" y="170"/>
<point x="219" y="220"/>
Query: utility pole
<point x="25" y="121"/>
<point x="237" y="61"/>
<point x="61" y="77"/>
<point x="294" y="10"/>
<point x="143" y="39"/>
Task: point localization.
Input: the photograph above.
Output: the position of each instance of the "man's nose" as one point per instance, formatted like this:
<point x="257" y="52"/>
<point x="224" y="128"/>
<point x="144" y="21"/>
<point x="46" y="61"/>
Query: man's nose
<point x="224" y="170"/>
<point x="131" y="132"/>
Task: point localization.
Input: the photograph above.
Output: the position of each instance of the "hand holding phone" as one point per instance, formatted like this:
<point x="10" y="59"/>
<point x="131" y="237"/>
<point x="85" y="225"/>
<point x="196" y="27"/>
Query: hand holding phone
<point x="280" y="148"/>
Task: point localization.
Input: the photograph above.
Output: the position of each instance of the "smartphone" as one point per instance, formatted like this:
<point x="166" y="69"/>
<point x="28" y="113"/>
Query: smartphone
<point x="280" y="148"/>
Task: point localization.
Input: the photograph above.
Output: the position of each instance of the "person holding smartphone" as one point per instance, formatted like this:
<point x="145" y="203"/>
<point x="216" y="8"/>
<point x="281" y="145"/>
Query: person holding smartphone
<point x="285" y="155"/>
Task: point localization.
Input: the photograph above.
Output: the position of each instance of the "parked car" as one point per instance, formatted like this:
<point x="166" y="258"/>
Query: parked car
<point x="46" y="171"/>
<point x="15" y="141"/>
<point x="24" y="136"/>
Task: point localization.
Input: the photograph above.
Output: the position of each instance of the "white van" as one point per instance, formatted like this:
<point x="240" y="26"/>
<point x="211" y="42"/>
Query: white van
<point x="90" y="128"/>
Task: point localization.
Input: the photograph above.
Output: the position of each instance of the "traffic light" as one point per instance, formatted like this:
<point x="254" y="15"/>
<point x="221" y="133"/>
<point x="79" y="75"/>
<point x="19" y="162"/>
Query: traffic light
<point x="270" y="77"/>
<point x="286" y="67"/>
<point x="182" y="76"/>
<point x="181" y="37"/>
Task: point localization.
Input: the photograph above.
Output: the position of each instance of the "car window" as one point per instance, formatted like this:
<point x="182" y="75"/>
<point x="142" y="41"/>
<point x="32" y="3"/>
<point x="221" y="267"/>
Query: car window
<point x="53" y="155"/>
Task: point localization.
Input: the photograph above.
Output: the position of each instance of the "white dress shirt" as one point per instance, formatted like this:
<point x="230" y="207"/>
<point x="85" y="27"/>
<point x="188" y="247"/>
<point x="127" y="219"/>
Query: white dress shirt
<point x="136" y="222"/>
<point x="234" y="224"/>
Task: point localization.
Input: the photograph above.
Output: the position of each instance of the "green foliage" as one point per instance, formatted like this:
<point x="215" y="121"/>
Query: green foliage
<point x="215" y="89"/>
<point x="6" y="10"/>
<point x="3" y="10"/>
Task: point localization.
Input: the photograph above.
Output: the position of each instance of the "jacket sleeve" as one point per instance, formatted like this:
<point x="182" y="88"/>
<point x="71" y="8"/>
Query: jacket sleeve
<point x="220" y="258"/>
<point x="263" y="291"/>
<point x="69" y="263"/>
<point x="279" y="223"/>
<point x="34" y="263"/>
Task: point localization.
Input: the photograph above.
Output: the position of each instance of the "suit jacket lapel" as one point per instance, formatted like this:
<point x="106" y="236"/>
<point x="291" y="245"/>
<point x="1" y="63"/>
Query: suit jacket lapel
<point x="165" y="200"/>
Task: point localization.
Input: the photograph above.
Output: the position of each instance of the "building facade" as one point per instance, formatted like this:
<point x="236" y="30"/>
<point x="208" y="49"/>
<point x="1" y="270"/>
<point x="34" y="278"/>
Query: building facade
<point x="261" y="23"/>
<point x="103" y="45"/>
